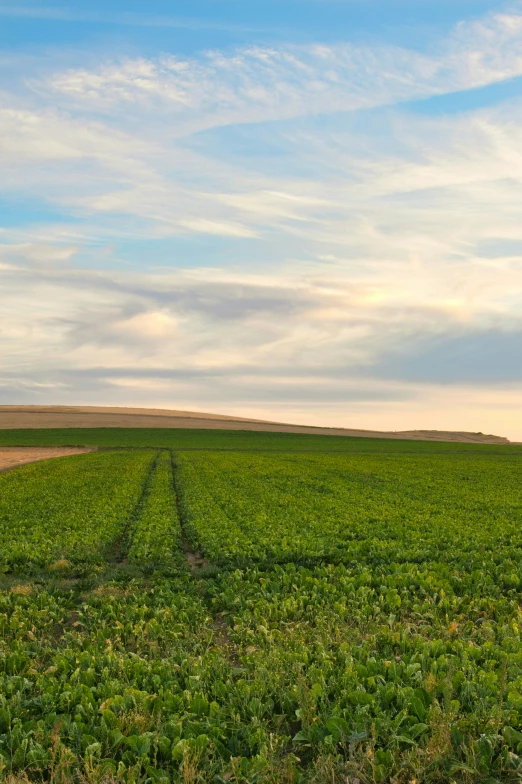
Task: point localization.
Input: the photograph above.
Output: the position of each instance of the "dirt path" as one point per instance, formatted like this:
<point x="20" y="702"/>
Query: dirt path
<point x="14" y="456"/>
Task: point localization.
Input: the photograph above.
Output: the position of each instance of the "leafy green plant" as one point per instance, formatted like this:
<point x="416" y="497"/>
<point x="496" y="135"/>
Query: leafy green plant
<point x="69" y="511"/>
<point x="156" y="533"/>
<point x="360" y="620"/>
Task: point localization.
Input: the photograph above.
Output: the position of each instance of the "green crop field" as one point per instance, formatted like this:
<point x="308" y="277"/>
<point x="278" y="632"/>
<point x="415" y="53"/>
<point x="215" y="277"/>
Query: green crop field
<point x="213" y="606"/>
<point x="244" y="440"/>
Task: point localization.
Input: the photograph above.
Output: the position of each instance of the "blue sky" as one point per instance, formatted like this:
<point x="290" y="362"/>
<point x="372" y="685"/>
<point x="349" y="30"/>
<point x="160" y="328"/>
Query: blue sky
<point x="300" y="210"/>
<point x="190" y="27"/>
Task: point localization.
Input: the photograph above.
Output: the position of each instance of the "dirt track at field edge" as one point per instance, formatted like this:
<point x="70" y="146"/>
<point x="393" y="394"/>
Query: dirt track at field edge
<point x="16" y="456"/>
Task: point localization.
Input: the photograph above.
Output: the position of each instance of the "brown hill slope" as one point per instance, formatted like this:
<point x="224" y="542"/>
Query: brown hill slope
<point x="26" y="417"/>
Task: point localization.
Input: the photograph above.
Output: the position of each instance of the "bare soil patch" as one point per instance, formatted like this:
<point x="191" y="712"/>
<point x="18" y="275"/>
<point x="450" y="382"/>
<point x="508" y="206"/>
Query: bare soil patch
<point x="12" y="457"/>
<point x="30" y="417"/>
<point x="196" y="560"/>
<point x="223" y="641"/>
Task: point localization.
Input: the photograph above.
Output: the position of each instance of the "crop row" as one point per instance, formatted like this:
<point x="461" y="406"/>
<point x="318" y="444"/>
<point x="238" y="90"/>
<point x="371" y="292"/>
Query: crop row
<point x="71" y="509"/>
<point x="382" y="675"/>
<point x="396" y="669"/>
<point x="156" y="532"/>
<point x="104" y="682"/>
<point x="241" y="508"/>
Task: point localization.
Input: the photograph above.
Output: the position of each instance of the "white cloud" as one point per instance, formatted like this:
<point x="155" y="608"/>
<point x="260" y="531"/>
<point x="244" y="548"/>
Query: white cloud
<point x="333" y="246"/>
<point x="148" y="384"/>
<point x="258" y="84"/>
<point x="152" y="325"/>
<point x="49" y="135"/>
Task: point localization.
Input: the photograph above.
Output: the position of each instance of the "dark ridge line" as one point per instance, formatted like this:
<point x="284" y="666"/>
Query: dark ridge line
<point x="118" y="549"/>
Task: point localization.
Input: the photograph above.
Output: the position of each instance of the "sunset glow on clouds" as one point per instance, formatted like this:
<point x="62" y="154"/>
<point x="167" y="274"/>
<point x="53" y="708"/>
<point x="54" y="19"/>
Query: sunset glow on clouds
<point x="316" y="225"/>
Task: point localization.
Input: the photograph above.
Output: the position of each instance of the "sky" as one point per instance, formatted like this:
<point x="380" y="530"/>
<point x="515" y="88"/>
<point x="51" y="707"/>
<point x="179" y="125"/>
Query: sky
<point x="297" y="210"/>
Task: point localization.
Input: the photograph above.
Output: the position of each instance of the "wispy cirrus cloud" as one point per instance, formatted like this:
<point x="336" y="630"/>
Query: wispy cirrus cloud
<point x="274" y="83"/>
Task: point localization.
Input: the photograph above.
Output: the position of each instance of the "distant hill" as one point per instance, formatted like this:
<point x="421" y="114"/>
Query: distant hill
<point x="29" y="417"/>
